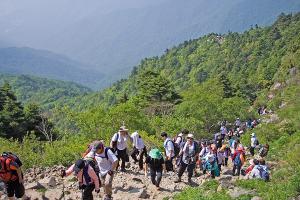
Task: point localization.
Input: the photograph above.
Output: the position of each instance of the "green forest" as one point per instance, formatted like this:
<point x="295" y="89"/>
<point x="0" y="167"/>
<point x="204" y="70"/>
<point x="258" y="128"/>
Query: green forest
<point x="194" y="85"/>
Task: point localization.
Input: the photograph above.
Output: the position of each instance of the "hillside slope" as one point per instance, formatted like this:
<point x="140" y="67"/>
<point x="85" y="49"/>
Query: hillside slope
<point x="48" y="65"/>
<point x="44" y="92"/>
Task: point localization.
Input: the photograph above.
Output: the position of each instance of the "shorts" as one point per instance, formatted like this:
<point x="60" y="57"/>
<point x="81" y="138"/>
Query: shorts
<point x="14" y="188"/>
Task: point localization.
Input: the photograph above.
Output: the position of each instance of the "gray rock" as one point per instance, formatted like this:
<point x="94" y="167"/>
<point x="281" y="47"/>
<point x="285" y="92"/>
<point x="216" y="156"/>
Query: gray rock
<point x="34" y="186"/>
<point x="48" y="182"/>
<point x="236" y="192"/>
<point x="143" y="194"/>
<point x="225" y="178"/>
<point x="256" y="198"/>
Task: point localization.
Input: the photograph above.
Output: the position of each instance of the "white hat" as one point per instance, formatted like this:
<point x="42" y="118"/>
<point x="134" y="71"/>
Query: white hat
<point x="123" y="128"/>
<point x="180" y="134"/>
<point x="252" y="134"/>
<point x="190" y="136"/>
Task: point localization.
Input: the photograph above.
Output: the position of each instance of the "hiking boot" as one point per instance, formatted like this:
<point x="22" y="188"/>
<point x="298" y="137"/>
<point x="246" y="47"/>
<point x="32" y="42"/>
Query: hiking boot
<point x="123" y="170"/>
<point x="178" y="180"/>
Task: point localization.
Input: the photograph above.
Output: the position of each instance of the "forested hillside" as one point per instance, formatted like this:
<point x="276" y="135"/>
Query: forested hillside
<point x="44" y="92"/>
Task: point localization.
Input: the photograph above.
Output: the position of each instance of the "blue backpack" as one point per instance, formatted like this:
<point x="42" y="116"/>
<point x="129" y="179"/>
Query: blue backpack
<point x="264" y="174"/>
<point x="237" y="160"/>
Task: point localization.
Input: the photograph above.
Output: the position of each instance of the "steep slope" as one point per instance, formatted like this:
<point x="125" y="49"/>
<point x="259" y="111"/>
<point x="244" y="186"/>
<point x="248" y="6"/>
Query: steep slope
<point x="44" y="92"/>
<point x="48" y="65"/>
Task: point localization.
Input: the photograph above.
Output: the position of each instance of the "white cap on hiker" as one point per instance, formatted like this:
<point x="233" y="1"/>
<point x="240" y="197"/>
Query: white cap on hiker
<point x="180" y="134"/>
<point x="190" y="136"/>
<point x="252" y="134"/>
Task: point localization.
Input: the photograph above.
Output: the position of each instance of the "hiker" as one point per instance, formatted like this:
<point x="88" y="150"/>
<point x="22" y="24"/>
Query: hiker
<point x="223" y="131"/>
<point x="107" y="163"/>
<point x="139" y="149"/>
<point x="230" y="134"/>
<point x="218" y="140"/>
<point x="189" y="154"/>
<point x="254" y="143"/>
<point x="179" y="142"/>
<point x="249" y="123"/>
<point x="204" y="151"/>
<point x="221" y="156"/>
<point x="237" y="123"/>
<point x="119" y="144"/>
<point x="211" y="165"/>
<point x="238" y="159"/>
<point x="263" y="151"/>
<point x="155" y="161"/>
<point x="169" y="151"/>
<point x="87" y="177"/>
<point x="260" y="171"/>
<point x="227" y="153"/>
<point x="253" y="163"/>
<point x="12" y="176"/>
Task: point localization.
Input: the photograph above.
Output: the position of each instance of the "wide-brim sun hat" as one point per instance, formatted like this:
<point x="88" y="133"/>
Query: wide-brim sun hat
<point x="190" y="136"/>
<point x="155" y="153"/>
<point x="252" y="134"/>
<point x="123" y="128"/>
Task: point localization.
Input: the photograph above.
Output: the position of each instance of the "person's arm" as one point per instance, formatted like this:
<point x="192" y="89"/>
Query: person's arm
<point x="70" y="170"/>
<point x="19" y="172"/>
<point x="146" y="169"/>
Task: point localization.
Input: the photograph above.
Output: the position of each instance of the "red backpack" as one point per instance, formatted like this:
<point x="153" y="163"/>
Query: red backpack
<point x="6" y="174"/>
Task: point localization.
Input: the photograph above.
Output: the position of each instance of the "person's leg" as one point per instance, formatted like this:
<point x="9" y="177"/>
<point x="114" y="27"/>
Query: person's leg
<point x="239" y="170"/>
<point x="220" y="166"/>
<point x="233" y="170"/>
<point x="226" y="162"/>
<point x="252" y="151"/>
<point x="181" y="170"/>
<point x="134" y="154"/>
<point x="19" y="190"/>
<point x="123" y="158"/>
<point x="190" y="169"/>
<point x="153" y="176"/>
<point x="108" y="185"/>
<point x="10" y="190"/>
<point x="141" y="160"/>
<point x="88" y="192"/>
<point x="158" y="177"/>
<point x="119" y="158"/>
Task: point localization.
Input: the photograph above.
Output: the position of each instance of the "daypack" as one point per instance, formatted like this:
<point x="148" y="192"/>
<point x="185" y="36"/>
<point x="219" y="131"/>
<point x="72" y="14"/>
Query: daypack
<point x="264" y="174"/>
<point x="176" y="147"/>
<point x="6" y="174"/>
<point x="237" y="160"/>
<point x="256" y="142"/>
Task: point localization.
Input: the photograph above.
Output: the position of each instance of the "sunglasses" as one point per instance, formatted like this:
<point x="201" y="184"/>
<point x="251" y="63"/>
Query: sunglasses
<point x="190" y="138"/>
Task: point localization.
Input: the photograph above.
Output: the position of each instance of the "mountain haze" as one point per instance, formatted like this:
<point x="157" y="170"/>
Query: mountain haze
<point x="46" y="64"/>
<point x="112" y="36"/>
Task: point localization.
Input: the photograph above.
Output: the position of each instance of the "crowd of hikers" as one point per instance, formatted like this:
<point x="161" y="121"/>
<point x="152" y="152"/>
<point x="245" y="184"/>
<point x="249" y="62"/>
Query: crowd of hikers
<point x="100" y="163"/>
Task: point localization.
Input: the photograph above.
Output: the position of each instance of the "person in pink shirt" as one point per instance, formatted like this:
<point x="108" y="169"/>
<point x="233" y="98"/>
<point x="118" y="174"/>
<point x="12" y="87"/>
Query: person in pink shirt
<point x="87" y="178"/>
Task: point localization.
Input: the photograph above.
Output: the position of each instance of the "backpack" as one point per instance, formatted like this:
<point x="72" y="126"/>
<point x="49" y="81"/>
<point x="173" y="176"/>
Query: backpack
<point x="256" y="142"/>
<point x="176" y="147"/>
<point x="115" y="143"/>
<point x="264" y="174"/>
<point x="6" y="174"/>
<point x="237" y="160"/>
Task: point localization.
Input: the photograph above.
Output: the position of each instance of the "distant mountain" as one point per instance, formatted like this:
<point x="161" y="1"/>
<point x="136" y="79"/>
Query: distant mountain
<point x="113" y="36"/>
<point x="44" y="92"/>
<point x="46" y="64"/>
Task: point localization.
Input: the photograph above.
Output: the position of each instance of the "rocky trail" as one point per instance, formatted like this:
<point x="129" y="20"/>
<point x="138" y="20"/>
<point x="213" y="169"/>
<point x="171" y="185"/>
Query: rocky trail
<point x="47" y="184"/>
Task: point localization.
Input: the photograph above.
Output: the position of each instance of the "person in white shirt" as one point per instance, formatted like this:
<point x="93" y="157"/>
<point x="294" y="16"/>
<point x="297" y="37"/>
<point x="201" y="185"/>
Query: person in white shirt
<point x="119" y="144"/>
<point x="253" y="143"/>
<point x="189" y="154"/>
<point x="139" y="149"/>
<point x="169" y="151"/>
<point x="107" y="163"/>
